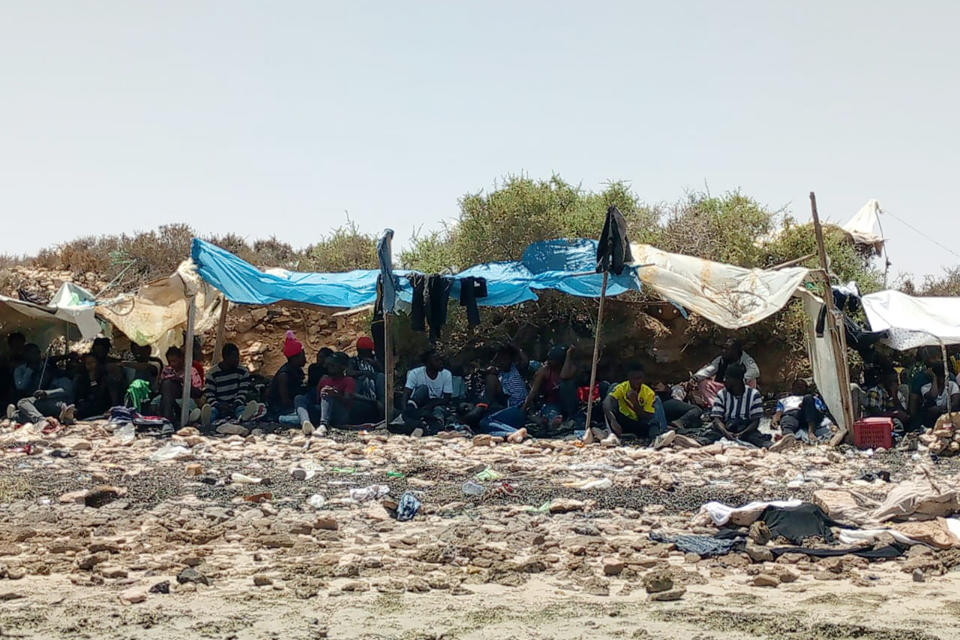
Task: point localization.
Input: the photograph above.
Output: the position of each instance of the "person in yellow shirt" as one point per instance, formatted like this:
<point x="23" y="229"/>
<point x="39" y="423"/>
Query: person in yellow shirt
<point x="629" y="405"/>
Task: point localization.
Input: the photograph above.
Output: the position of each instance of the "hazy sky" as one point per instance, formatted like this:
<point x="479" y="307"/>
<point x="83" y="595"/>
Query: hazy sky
<point x="278" y="117"/>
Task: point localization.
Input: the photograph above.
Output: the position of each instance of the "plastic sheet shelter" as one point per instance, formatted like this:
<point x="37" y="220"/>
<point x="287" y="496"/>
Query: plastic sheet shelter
<point x="735" y="297"/>
<point x="913" y="321"/>
<point x="731" y="296"/>
<point x="156" y="314"/>
<point x="565" y="265"/>
<point x="70" y="314"/>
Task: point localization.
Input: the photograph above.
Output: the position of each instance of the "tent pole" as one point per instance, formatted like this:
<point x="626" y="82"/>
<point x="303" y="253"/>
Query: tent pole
<point x="221" y="329"/>
<point x="946" y="374"/>
<point x="188" y="361"/>
<point x="388" y="367"/>
<point x="836" y="335"/>
<point x="587" y="436"/>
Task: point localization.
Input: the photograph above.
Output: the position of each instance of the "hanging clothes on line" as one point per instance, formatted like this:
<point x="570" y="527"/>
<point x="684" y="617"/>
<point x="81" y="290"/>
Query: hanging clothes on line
<point x="472" y="288"/>
<point x="437" y="297"/>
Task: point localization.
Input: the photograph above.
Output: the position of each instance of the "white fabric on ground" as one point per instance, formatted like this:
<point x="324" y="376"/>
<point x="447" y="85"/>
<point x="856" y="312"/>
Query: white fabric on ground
<point x="730" y="296"/>
<point x="743" y="516"/>
<point x="913" y="322"/>
<point x="856" y="536"/>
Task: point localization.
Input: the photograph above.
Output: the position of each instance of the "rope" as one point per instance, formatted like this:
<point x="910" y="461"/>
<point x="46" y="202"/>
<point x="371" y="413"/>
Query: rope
<point x="924" y="235"/>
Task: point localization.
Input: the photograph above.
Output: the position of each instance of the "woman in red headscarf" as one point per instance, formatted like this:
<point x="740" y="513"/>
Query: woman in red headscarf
<point x="287" y="383"/>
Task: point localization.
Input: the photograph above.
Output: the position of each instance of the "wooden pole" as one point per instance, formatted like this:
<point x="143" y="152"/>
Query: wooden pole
<point x="221" y="330"/>
<point x="836" y="334"/>
<point x="946" y="373"/>
<point x="388" y="367"/>
<point x="188" y="361"/>
<point x="588" y="434"/>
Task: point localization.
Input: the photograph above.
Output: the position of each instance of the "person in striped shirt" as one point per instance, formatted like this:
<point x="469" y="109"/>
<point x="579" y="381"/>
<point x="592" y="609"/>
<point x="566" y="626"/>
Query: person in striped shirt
<point x="228" y="389"/>
<point x="737" y="410"/>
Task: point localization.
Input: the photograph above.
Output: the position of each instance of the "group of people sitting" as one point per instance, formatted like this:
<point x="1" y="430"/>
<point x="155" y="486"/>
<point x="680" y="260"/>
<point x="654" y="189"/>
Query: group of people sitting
<point x="71" y="387"/>
<point x="513" y="397"/>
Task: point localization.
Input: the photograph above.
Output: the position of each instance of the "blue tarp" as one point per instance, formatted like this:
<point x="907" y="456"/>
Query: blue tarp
<point x="551" y="264"/>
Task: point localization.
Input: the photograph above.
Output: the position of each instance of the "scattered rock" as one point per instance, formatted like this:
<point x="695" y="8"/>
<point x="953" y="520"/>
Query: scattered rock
<point x="193" y="469"/>
<point x="133" y="595"/>
<point x="658" y="581"/>
<point x="566" y="506"/>
<point x="161" y="587"/>
<point x="919" y="576"/>
<point x="667" y="596"/>
<point x="232" y="430"/>
<point x="613" y="566"/>
<point x="326" y="523"/>
<point x="766" y="580"/>
<point x="192" y="576"/>
<point x="261" y="580"/>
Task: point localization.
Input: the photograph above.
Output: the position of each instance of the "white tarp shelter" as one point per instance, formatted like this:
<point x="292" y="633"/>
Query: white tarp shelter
<point x="70" y="314"/>
<point x="913" y="322"/>
<point x="735" y="297"/>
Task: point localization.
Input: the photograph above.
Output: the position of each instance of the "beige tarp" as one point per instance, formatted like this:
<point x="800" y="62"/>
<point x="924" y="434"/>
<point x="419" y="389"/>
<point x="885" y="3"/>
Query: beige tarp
<point x="733" y="297"/>
<point x="157" y="313"/>
<point x="736" y="297"/>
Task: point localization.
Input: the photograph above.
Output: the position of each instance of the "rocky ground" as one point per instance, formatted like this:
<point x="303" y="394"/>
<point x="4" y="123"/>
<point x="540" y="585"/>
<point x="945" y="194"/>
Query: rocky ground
<point x="257" y="536"/>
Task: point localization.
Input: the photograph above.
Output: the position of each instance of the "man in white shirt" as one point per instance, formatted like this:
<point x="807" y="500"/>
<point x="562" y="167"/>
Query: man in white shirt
<point x="428" y="385"/>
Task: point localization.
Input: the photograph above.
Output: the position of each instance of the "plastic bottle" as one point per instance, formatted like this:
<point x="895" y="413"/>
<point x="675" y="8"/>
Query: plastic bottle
<point x="170" y="451"/>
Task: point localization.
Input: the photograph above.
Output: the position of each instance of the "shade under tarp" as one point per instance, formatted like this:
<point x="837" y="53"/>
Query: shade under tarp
<point x="69" y="314"/>
<point x="732" y="297"/>
<point x="913" y="321"/>
<point x="565" y="265"/>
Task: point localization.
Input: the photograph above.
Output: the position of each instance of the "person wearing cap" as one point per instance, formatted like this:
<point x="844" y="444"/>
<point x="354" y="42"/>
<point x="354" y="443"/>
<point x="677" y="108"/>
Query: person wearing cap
<point x="287" y="382"/>
<point x="366" y="370"/>
<point x="554" y="386"/>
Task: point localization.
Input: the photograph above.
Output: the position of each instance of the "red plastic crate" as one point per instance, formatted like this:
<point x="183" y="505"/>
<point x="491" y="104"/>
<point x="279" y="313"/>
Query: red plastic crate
<point x="873" y="433"/>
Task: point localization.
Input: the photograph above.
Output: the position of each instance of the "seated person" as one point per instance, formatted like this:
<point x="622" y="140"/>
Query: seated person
<point x="929" y="367"/>
<point x="287" y="382"/>
<point x="554" y="385"/>
<point x="802" y="414"/>
<point x="429" y="385"/>
<point x="504" y="394"/>
<point x="143" y="366"/>
<point x="681" y="416"/>
<point x="736" y="412"/>
<point x="43" y="390"/>
<point x="319" y="367"/>
<point x="335" y="392"/>
<point x="712" y="376"/>
<point x="629" y="407"/>
<point x="882" y="399"/>
<point x="367" y="372"/>
<point x="171" y="385"/>
<point x="936" y="395"/>
<point x="228" y="390"/>
<point x="92" y="388"/>
<point x="116" y="384"/>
